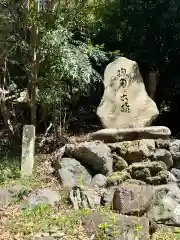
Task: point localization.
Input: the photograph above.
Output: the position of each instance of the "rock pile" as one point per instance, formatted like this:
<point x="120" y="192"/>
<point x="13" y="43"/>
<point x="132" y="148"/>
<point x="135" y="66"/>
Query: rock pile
<point x="130" y="167"/>
<point x="136" y="177"/>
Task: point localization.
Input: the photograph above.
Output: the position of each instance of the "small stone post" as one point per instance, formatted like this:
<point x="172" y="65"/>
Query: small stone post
<point x="28" y="145"/>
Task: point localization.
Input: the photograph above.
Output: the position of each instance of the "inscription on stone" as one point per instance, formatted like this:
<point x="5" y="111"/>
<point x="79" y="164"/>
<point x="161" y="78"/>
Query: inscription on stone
<point x="123" y="79"/>
<point x="125" y="106"/>
<point x="125" y="102"/>
<point x="121" y="72"/>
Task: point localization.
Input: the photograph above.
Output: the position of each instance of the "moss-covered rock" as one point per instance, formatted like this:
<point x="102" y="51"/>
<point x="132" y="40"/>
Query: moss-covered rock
<point x="161" y="178"/>
<point x="165" y="236"/>
<point x="117" y="177"/>
<point x="136" y="151"/>
<point x="119" y="163"/>
<point x="151" y="172"/>
<point x="141" y="174"/>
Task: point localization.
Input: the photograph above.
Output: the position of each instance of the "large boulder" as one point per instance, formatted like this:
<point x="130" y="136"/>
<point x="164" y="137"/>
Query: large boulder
<point x="99" y="180"/>
<point x="162" y="144"/>
<point x="154" y="173"/>
<point x="172" y="178"/>
<point x="107" y="197"/>
<point x="125" y="102"/>
<point x="107" y="225"/>
<point x="6" y="196"/>
<point x="119" y="163"/>
<point x="129" y="134"/>
<point x="85" y="197"/>
<point x="117" y="178"/>
<point x="166" y="207"/>
<point x="175" y="151"/>
<point x="164" y="156"/>
<point x="176" y="173"/>
<point x="41" y="196"/>
<point x="133" y="199"/>
<point x="71" y="173"/>
<point x="96" y="155"/>
<point x="134" y="151"/>
<point x="154" y="167"/>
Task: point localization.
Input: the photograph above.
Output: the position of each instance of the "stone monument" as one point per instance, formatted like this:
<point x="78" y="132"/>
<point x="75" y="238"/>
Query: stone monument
<point x="125" y="103"/>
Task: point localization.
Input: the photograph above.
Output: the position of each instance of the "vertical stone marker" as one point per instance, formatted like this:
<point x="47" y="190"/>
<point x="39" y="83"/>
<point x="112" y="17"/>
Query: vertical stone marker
<point x="28" y="145"/>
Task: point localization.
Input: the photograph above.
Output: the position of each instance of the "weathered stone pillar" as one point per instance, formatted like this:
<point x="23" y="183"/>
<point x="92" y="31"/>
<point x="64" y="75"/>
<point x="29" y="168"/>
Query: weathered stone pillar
<point x="28" y="145"/>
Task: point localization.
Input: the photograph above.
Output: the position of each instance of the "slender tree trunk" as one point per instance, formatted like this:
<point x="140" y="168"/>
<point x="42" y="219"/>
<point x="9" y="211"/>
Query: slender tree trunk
<point x="153" y="78"/>
<point x="33" y="82"/>
<point x="3" y="107"/>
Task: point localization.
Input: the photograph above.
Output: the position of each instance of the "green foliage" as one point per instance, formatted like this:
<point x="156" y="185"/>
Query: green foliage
<point x="9" y="169"/>
<point x="68" y="61"/>
<point x="40" y="210"/>
<point x="20" y="195"/>
<point x="69" y="69"/>
<point x="78" y="38"/>
<point x="146" y="31"/>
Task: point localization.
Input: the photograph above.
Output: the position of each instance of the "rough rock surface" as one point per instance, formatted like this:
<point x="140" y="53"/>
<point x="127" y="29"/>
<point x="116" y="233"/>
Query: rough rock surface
<point x="129" y="134"/>
<point x="118" y="226"/>
<point x="5" y="196"/>
<point x="164" y="156"/>
<point x="85" y="197"/>
<point x="8" y="195"/>
<point x="32" y="198"/>
<point x="135" y="181"/>
<point x="175" y="151"/>
<point x="125" y="102"/>
<point x="96" y="155"/>
<point x="162" y="144"/>
<point x="42" y="196"/>
<point x="99" y="180"/>
<point x="119" y="163"/>
<point x="176" y="173"/>
<point x="133" y="174"/>
<point x="134" y="151"/>
<point x="71" y="173"/>
<point x="165" y="228"/>
<point x="107" y="197"/>
<point x="169" y="235"/>
<point x="117" y="178"/>
<point x="133" y="199"/>
<point x="172" y="178"/>
<point x="151" y="172"/>
<point x="166" y="209"/>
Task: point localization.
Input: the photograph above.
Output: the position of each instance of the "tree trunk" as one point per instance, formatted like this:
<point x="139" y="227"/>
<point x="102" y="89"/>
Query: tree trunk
<point x="33" y="82"/>
<point x="3" y="107"/>
<point x="153" y="78"/>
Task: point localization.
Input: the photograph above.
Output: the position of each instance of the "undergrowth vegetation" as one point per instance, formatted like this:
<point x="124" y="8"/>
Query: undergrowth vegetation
<point x="21" y="221"/>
